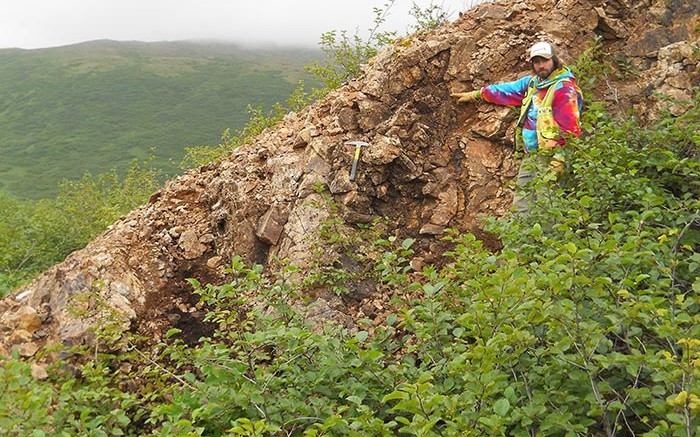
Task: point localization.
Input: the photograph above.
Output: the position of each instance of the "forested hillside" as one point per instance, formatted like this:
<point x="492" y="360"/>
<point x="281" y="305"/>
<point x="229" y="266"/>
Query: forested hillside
<point x="93" y="106"/>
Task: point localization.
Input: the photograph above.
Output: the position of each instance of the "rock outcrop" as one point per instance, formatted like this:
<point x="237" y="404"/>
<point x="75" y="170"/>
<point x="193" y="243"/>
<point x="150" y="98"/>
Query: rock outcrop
<point x="430" y="164"/>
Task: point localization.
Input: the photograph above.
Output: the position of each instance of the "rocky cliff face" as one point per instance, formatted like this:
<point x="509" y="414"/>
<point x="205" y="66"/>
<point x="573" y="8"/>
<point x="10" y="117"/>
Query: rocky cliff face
<point x="430" y="164"/>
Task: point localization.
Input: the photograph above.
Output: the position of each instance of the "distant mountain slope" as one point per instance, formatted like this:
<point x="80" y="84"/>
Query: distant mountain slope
<point x="96" y="105"/>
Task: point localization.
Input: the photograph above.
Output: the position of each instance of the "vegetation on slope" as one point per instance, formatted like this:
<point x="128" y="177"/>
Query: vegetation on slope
<point x="35" y="235"/>
<point x="94" y="106"/>
<point x="586" y="322"/>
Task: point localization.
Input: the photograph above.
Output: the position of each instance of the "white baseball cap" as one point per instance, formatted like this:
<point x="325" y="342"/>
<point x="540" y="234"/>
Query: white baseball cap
<point x="542" y="49"/>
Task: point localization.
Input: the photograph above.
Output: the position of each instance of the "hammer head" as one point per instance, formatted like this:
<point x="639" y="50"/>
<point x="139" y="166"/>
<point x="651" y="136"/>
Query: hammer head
<point x="357" y="143"/>
<point x="358" y="146"/>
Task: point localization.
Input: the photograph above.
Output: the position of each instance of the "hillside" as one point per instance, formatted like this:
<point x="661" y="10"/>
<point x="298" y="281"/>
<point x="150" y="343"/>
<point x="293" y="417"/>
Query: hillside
<point x="93" y="106"/>
<point x="270" y="293"/>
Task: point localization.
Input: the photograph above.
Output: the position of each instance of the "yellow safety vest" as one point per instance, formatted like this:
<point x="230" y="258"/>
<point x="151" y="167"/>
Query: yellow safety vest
<point x="547" y="128"/>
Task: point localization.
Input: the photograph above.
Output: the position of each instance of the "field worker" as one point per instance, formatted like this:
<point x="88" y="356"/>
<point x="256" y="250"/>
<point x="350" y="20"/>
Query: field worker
<point x="550" y="105"/>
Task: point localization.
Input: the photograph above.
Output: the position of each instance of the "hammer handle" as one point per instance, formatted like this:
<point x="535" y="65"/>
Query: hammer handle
<point x="355" y="160"/>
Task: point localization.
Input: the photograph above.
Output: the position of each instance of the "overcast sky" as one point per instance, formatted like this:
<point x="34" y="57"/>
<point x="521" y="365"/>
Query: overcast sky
<point x="48" y="23"/>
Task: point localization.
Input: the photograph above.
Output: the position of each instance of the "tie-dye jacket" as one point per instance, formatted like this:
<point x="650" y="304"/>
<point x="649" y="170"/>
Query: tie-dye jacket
<point x="566" y="104"/>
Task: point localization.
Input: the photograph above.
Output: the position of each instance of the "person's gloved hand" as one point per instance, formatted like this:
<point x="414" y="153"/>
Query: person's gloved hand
<point x="557" y="164"/>
<point x="467" y="97"/>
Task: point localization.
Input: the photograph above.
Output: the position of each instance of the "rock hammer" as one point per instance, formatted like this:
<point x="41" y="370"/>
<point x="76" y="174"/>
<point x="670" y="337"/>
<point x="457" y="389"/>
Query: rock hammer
<point x="358" y="146"/>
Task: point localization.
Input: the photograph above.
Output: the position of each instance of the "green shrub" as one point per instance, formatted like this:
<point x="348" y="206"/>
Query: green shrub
<point x="585" y="323"/>
<point x="35" y="234"/>
<point x="23" y="402"/>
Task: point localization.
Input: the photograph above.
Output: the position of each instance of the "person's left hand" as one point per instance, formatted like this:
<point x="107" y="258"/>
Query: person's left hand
<point x="467" y="97"/>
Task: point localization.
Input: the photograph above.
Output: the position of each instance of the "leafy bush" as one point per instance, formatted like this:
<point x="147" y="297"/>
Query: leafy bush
<point x="23" y="401"/>
<point x="346" y="54"/>
<point x="586" y="322"/>
<point x="37" y="234"/>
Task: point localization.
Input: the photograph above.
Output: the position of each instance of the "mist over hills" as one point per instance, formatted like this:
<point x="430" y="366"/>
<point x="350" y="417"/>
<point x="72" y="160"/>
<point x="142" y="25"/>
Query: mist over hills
<point x="99" y="105"/>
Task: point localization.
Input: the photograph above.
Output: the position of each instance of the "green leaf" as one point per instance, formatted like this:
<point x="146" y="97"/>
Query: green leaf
<point x="361" y="336"/>
<point x="355" y="400"/>
<point x="536" y="230"/>
<point x="586" y="201"/>
<point x="501" y="407"/>
<point x="172" y="331"/>
<point x="396" y="394"/>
